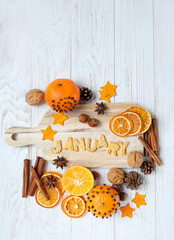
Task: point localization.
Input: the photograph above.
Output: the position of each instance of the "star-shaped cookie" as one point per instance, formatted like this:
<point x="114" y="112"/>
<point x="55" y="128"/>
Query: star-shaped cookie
<point x="127" y="211"/>
<point x="59" y="118"/>
<point x="48" y="133"/>
<point x="139" y="200"/>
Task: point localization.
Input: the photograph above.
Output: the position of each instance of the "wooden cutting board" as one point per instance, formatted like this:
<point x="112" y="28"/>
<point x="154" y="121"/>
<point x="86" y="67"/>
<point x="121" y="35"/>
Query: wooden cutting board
<point x="20" y="136"/>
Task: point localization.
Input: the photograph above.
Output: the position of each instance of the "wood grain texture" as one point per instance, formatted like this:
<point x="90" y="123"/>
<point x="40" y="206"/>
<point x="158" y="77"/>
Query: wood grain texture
<point x="129" y="43"/>
<point x="18" y="136"/>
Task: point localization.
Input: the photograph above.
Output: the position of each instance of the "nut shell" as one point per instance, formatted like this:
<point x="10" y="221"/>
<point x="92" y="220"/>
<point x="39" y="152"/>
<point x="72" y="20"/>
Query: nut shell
<point x="34" y="97"/>
<point x="135" y="159"/>
<point x="95" y="175"/>
<point x="83" y="118"/>
<point x="116" y="176"/>
<point x="93" y="122"/>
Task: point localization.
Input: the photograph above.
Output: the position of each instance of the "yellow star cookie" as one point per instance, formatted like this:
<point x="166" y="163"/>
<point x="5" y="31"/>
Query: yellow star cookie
<point x="139" y="200"/>
<point x="59" y="118"/>
<point x="48" y="133"/>
<point x="127" y="211"/>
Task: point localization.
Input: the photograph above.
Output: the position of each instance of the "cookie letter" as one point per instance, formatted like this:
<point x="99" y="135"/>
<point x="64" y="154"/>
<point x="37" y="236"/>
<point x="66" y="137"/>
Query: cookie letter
<point x="113" y="148"/>
<point x="68" y="144"/>
<point x="82" y="144"/>
<point x="76" y="144"/>
<point x="102" y="141"/>
<point x="88" y="143"/>
<point x="58" y="147"/>
<point x="123" y="147"/>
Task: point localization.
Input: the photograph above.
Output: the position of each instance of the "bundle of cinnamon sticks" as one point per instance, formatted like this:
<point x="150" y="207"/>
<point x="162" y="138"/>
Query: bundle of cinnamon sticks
<point x="150" y="143"/>
<point x="29" y="188"/>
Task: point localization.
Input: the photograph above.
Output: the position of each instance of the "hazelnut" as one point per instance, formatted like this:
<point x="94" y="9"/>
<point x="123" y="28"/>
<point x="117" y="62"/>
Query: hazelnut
<point x="83" y="118"/>
<point x="93" y="122"/>
<point x="116" y="175"/>
<point x="34" y="97"/>
<point x="135" y="159"/>
<point x="95" y="175"/>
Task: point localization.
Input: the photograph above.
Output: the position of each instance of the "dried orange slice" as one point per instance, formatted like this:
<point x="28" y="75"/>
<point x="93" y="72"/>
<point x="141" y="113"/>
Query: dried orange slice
<point x="145" y="116"/>
<point x="74" y="206"/>
<point x="54" y="194"/>
<point x="120" y="125"/>
<point x="77" y="180"/>
<point x="58" y="179"/>
<point x="137" y="122"/>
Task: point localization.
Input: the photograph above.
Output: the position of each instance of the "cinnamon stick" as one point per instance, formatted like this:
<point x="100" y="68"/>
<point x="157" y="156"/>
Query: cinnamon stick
<point x="146" y="139"/>
<point x="153" y="138"/>
<point x="32" y="185"/>
<point x="39" y="166"/>
<point x="149" y="142"/>
<point x="39" y="183"/>
<point x="150" y="151"/>
<point x="154" y="122"/>
<point x="25" y="178"/>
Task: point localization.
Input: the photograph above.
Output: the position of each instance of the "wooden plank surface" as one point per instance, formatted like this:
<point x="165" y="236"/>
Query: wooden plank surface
<point x="18" y="136"/>
<point x="129" y="43"/>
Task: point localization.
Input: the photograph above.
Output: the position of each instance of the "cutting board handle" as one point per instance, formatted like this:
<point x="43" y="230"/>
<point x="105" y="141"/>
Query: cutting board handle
<point x="21" y="136"/>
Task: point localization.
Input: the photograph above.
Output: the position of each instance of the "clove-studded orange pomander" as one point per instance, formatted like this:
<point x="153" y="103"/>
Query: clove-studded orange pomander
<point x="103" y="201"/>
<point x="62" y="95"/>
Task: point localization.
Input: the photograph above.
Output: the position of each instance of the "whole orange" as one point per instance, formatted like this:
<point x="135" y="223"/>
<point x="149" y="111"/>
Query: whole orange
<point x="103" y="201"/>
<point x="62" y="95"/>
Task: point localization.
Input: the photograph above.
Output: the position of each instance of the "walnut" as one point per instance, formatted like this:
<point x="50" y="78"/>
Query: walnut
<point x="34" y="97"/>
<point x="116" y="176"/>
<point x="135" y="159"/>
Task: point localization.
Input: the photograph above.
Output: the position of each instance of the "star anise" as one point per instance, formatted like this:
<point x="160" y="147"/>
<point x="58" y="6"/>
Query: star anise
<point x="50" y="182"/>
<point x="100" y="108"/>
<point x="60" y="162"/>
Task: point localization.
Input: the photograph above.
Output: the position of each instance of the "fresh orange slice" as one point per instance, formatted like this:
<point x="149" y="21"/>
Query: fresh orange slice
<point x="74" y="206"/>
<point x="120" y="125"/>
<point x="54" y="194"/>
<point x="145" y="116"/>
<point x="57" y="177"/>
<point x="77" y="180"/>
<point x="137" y="122"/>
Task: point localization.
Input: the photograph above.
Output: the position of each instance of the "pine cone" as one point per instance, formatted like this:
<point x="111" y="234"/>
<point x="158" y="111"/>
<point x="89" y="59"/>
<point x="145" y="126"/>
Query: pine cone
<point x="133" y="180"/>
<point x="85" y="94"/>
<point x="147" y="167"/>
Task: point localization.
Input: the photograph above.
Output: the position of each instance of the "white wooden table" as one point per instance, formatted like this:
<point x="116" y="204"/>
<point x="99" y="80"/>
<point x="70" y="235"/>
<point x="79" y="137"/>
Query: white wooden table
<point x="128" y="42"/>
